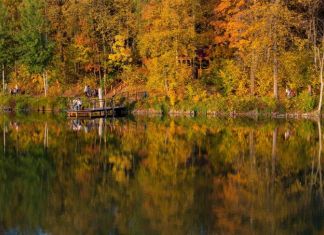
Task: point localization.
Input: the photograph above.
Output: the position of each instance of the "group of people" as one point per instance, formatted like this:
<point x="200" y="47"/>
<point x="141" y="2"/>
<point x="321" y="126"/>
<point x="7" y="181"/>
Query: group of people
<point x="16" y="90"/>
<point x="88" y="92"/>
<point x="77" y="104"/>
<point x="292" y="93"/>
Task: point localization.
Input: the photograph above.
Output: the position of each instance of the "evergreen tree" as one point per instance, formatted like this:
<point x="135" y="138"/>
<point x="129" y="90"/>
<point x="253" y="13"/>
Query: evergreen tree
<point x="35" y="45"/>
<point x="6" y="42"/>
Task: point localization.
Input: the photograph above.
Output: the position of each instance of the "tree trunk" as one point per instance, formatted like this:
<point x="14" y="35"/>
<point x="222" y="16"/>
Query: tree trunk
<point x="314" y="36"/>
<point x="252" y="74"/>
<point x="321" y="63"/>
<point x="45" y="83"/>
<point x="4" y="138"/>
<point x="275" y="70"/>
<point x="275" y="52"/>
<point x="3" y="78"/>
<point x="105" y="66"/>
<point x="101" y="101"/>
<point x="321" y="90"/>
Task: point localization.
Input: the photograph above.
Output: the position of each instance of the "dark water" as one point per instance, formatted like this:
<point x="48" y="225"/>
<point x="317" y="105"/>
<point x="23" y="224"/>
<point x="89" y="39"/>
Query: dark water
<point x="160" y="176"/>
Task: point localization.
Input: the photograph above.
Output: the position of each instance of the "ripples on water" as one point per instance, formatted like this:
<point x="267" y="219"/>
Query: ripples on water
<point x="160" y="176"/>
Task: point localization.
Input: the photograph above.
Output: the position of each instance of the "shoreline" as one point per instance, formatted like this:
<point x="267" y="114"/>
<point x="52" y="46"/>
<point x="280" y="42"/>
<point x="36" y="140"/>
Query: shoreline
<point x="183" y="113"/>
<point x="251" y="114"/>
<point x="31" y="104"/>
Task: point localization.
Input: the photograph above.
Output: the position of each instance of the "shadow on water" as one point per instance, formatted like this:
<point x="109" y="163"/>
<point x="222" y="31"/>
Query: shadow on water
<point x="160" y="176"/>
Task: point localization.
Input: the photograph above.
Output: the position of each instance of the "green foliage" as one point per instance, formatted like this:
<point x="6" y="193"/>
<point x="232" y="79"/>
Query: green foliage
<point x="35" y="45"/>
<point x="22" y="104"/>
<point x="29" y="103"/>
<point x="296" y="68"/>
<point x="165" y="108"/>
<point x="305" y="102"/>
<point x="232" y="78"/>
<point x="7" y="42"/>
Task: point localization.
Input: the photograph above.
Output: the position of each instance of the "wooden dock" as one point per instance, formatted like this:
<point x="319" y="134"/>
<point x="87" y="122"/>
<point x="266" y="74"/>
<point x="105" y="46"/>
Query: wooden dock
<point x="98" y="112"/>
<point x="106" y="107"/>
<point x="95" y="108"/>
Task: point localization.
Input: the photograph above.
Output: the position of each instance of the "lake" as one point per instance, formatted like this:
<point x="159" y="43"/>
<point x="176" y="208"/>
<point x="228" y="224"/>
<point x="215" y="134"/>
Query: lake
<point x="158" y="175"/>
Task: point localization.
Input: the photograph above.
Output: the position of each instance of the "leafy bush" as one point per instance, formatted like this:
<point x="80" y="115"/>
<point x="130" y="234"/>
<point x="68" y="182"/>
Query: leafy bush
<point x="165" y="108"/>
<point x="28" y="103"/>
<point x="22" y="103"/>
<point x="234" y="80"/>
<point x="305" y="102"/>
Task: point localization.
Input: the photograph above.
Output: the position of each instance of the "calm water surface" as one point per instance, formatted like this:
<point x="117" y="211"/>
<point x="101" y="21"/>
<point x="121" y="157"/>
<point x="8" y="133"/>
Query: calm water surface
<point x="160" y="176"/>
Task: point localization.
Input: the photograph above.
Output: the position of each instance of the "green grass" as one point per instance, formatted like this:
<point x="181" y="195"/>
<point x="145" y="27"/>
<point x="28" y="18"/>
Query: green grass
<point x="28" y="103"/>
<point x="263" y="105"/>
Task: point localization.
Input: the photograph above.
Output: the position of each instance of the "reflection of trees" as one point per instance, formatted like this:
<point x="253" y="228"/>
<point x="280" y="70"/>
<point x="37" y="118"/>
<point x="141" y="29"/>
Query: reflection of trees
<point x="4" y="137"/>
<point x="161" y="176"/>
<point x="167" y="185"/>
<point x="257" y="200"/>
<point x="24" y="177"/>
<point x="316" y="177"/>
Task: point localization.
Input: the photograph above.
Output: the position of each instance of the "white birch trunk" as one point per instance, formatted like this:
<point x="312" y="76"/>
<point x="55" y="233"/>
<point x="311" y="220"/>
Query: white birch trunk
<point x="321" y="90"/>
<point x="45" y="83"/>
<point x="275" y="71"/>
<point x="321" y="73"/>
<point x="100" y="96"/>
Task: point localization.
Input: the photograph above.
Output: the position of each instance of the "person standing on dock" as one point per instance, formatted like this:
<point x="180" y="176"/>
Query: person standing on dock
<point x="77" y="104"/>
<point x="87" y="91"/>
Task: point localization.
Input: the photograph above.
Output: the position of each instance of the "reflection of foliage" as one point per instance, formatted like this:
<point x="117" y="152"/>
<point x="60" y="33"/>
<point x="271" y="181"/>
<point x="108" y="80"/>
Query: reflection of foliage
<point x="121" y="165"/>
<point x="165" y="176"/>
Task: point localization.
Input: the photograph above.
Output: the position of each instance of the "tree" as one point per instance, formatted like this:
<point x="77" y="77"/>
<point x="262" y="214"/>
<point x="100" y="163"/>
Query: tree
<point x="59" y="17"/>
<point x="111" y="19"/>
<point x="256" y="30"/>
<point x="35" y="45"/>
<point x="167" y="33"/>
<point x="7" y="44"/>
<point x="316" y="41"/>
<point x="120" y="56"/>
<point x="319" y="55"/>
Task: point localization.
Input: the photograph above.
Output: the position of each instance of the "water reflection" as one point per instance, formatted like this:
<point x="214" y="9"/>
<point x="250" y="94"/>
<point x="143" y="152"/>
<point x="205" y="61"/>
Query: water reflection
<point x="160" y="176"/>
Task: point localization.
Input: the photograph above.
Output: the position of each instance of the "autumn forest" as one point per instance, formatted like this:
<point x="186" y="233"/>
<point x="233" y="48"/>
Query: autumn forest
<point x="222" y="136"/>
<point x="250" y="53"/>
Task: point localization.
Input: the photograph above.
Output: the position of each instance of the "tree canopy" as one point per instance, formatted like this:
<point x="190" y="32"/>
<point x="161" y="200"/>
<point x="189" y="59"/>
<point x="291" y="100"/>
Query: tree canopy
<point x="178" y="49"/>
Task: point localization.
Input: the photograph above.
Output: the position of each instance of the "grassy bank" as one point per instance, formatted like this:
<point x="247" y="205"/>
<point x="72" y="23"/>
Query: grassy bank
<point x="212" y="105"/>
<point x="26" y="103"/>
<point x="225" y="105"/>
